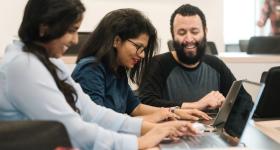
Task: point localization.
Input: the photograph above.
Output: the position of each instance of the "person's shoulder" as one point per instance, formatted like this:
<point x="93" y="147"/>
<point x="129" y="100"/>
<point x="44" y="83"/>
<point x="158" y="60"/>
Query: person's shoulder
<point x="88" y="62"/>
<point x="87" y="65"/>
<point x="164" y="57"/>
<point x="212" y="59"/>
<point x="22" y="61"/>
<point x="215" y="62"/>
<point x="14" y="54"/>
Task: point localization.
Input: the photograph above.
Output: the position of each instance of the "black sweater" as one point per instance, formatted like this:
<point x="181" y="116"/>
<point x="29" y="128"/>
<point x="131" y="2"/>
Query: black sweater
<point x="167" y="83"/>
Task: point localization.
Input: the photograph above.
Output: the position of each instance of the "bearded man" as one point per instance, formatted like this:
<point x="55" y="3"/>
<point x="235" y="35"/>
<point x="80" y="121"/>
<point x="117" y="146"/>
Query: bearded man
<point x="186" y="77"/>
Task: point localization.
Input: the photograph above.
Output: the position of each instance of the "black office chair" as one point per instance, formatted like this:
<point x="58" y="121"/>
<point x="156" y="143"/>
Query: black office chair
<point x="264" y="45"/>
<point x="269" y="103"/>
<point x="32" y="135"/>
<point x="211" y="48"/>
<point x="243" y="45"/>
<point x="170" y="45"/>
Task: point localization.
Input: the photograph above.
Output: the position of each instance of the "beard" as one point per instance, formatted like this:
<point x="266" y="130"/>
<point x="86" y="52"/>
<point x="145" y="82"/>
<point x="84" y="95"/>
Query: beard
<point x="190" y="58"/>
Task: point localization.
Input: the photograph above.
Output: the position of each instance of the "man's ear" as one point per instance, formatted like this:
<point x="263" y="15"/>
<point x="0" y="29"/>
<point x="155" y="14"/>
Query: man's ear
<point x="43" y="30"/>
<point x="117" y="41"/>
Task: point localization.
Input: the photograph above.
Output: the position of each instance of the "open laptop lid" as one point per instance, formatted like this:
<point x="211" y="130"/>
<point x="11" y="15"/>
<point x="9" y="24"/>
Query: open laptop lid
<point x="242" y="111"/>
<point x="227" y="105"/>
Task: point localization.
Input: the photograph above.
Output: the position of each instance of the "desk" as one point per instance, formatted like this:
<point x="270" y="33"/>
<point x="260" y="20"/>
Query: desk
<point x="271" y="128"/>
<point x="253" y="139"/>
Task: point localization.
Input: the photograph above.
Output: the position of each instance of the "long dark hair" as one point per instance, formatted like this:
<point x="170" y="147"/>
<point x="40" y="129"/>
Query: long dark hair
<point x="58" y="16"/>
<point x="125" y="23"/>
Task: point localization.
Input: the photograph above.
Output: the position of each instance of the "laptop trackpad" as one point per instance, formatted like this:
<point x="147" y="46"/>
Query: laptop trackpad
<point x="178" y="145"/>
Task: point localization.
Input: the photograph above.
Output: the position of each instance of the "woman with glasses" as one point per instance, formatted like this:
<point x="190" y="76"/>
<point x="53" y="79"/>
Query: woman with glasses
<point x="122" y="45"/>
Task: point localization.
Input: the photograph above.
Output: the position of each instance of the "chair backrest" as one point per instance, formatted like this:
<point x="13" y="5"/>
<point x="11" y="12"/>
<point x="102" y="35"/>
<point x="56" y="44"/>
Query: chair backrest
<point x="269" y="104"/>
<point x="73" y="50"/>
<point x="32" y="135"/>
<point x="243" y="45"/>
<point x="211" y="48"/>
<point x="264" y="45"/>
<point x="170" y="45"/>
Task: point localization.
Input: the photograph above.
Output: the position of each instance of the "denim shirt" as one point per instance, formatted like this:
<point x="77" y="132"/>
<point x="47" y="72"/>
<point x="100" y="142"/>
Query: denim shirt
<point x="104" y="87"/>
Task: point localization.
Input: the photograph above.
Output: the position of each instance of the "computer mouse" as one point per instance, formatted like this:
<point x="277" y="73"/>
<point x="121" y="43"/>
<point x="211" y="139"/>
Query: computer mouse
<point x="200" y="128"/>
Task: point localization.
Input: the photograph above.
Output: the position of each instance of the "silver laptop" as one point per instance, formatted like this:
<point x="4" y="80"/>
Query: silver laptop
<point x="224" y="111"/>
<point x="234" y="126"/>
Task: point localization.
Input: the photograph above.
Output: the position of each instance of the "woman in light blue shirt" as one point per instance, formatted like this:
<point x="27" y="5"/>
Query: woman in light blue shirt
<point x="35" y="84"/>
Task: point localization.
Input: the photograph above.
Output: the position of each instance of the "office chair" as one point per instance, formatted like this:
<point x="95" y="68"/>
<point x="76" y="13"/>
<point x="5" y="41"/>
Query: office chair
<point x="32" y="135"/>
<point x="73" y="50"/>
<point x="170" y="45"/>
<point x="243" y="45"/>
<point x="211" y="48"/>
<point x="264" y="45"/>
<point x="269" y="104"/>
<point x="263" y="76"/>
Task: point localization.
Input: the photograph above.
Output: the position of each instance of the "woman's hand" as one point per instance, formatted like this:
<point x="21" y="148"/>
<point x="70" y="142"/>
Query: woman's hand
<point x="161" y="115"/>
<point x="191" y="114"/>
<point x="171" y="129"/>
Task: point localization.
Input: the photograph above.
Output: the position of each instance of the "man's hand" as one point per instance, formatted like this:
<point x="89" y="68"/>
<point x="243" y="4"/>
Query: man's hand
<point x="212" y="100"/>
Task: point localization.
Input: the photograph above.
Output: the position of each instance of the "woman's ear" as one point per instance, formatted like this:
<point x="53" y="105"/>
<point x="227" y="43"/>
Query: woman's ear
<point x="117" y="41"/>
<point x="43" y="30"/>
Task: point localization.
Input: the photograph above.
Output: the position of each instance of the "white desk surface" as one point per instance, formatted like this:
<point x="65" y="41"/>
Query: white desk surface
<point x="242" y="57"/>
<point x="270" y="128"/>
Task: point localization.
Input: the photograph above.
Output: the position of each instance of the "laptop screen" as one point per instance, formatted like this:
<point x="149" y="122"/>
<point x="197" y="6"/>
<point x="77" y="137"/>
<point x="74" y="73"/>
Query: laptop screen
<point x="243" y="108"/>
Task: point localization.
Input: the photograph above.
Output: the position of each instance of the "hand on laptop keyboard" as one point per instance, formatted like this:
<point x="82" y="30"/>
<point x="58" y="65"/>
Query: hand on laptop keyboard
<point x="199" y="127"/>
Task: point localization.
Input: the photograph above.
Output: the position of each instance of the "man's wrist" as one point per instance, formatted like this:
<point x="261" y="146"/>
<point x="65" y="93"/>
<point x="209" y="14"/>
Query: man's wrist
<point x="172" y="109"/>
<point x="193" y="105"/>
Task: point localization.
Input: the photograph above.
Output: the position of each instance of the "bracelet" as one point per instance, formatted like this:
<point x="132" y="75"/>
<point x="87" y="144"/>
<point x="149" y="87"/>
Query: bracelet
<point x="172" y="109"/>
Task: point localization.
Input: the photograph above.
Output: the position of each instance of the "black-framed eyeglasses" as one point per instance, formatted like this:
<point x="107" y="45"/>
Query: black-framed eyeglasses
<point x="139" y="48"/>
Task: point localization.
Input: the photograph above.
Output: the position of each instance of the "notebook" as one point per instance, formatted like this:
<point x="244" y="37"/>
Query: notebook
<point x="224" y="111"/>
<point x="231" y="134"/>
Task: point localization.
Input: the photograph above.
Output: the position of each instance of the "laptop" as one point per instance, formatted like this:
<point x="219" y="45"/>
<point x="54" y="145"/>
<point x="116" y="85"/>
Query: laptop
<point x="268" y="106"/>
<point x="235" y="124"/>
<point x="224" y="111"/>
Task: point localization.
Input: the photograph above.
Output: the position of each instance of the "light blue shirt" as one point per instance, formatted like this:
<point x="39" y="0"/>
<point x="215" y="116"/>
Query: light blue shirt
<point x="29" y="92"/>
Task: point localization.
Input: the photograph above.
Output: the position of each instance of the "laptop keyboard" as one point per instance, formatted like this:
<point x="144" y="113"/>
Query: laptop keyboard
<point x="208" y="141"/>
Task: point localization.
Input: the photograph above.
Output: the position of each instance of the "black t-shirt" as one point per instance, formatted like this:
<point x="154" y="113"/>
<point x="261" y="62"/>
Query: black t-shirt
<point x="167" y="83"/>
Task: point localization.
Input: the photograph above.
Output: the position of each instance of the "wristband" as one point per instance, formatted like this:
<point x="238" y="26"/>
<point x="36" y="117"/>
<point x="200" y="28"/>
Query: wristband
<point x="172" y="109"/>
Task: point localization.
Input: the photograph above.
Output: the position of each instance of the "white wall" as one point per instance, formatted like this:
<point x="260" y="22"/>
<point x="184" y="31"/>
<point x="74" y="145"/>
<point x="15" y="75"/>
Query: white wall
<point x="239" y="20"/>
<point x="11" y="12"/>
<point x="159" y="12"/>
